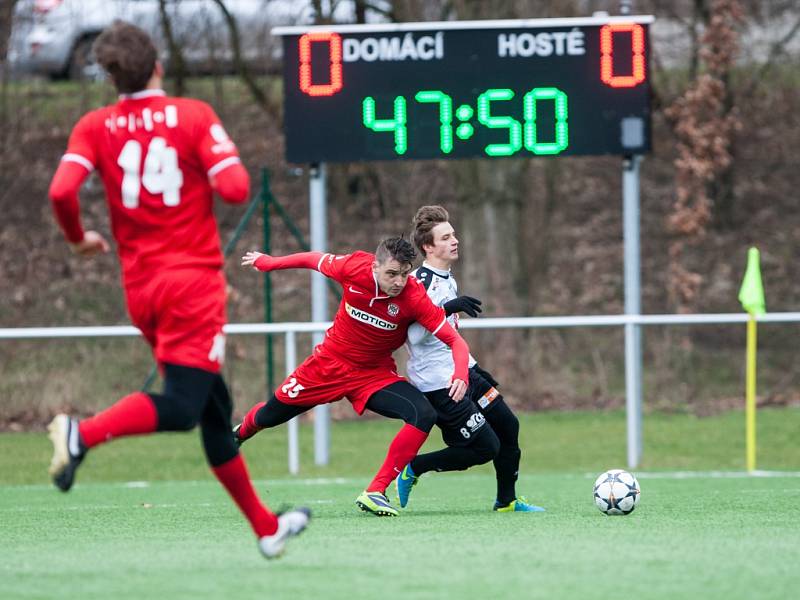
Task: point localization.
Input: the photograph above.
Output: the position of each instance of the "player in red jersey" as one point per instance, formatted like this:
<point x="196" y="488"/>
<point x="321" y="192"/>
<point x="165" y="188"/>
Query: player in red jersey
<point x="160" y="159"/>
<point x="379" y="302"/>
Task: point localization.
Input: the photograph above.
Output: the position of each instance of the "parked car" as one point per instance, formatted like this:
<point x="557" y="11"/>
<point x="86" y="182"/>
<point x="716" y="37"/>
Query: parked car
<point x="54" y="37"/>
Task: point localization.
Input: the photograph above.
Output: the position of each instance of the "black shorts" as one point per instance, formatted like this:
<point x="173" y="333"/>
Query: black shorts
<point x="462" y="422"/>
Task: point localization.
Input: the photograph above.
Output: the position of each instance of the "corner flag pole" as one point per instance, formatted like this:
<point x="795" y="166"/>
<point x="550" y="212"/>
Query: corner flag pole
<point x="751" y="295"/>
<point x="750" y="395"/>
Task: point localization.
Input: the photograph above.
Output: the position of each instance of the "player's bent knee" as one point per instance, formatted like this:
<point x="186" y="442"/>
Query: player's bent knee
<point x="487" y="446"/>
<point x="509" y="453"/>
<point x="218" y="445"/>
<point x="512" y="427"/>
<point x="183" y="421"/>
<point x="504" y="422"/>
<point x="513" y="423"/>
<point x="425" y="418"/>
<point x="222" y="397"/>
<point x="176" y="412"/>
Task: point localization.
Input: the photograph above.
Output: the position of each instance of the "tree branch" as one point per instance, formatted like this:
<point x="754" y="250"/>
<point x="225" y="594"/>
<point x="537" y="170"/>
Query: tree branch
<point x="241" y="66"/>
<point x="775" y="51"/>
<point x="176" y="65"/>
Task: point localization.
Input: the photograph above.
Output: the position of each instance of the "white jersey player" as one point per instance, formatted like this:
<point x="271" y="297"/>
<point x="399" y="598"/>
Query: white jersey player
<point x="481" y="427"/>
<point x="429" y="359"/>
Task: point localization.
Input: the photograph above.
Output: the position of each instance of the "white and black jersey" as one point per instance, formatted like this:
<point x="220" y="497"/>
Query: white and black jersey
<point x="430" y="364"/>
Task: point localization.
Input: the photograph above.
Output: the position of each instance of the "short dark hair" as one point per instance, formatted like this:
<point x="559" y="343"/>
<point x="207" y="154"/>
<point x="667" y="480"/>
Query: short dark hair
<point x="398" y="248"/>
<point x="127" y="54"/>
<point x="424" y="221"/>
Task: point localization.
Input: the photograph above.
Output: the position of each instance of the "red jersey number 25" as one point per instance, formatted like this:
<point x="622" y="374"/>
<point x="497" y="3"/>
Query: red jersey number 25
<point x="160" y="175"/>
<point x="291" y="388"/>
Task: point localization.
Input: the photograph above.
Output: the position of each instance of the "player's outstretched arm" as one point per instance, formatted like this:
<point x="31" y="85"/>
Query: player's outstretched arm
<point x="265" y="262"/>
<point x="250" y="258"/>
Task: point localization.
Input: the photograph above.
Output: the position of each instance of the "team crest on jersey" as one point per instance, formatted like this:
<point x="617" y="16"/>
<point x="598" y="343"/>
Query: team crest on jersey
<point x="393" y="309"/>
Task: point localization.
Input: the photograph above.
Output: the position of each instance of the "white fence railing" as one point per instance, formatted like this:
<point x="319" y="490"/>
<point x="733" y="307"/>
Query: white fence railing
<point x="22" y="333"/>
<point x="291" y="329"/>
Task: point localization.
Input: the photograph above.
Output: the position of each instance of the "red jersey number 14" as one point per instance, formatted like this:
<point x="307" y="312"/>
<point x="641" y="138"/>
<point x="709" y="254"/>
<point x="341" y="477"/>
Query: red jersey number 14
<point x="160" y="175"/>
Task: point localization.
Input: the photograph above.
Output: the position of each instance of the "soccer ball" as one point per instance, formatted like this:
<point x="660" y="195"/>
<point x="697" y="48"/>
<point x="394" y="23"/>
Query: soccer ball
<point x="616" y="492"/>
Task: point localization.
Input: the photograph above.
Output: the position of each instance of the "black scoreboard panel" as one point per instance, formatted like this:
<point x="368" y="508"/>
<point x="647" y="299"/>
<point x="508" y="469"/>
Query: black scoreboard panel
<point x="486" y="89"/>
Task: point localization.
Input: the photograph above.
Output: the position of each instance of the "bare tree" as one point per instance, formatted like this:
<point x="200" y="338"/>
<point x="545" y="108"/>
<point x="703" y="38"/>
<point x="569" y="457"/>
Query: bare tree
<point x="704" y="122"/>
<point x="364" y="6"/>
<point x="6" y="17"/>
<point x="176" y="67"/>
<point x="241" y="66"/>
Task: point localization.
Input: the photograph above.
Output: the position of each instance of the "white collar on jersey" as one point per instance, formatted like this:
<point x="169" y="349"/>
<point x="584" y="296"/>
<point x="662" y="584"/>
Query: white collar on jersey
<point x="377" y="290"/>
<point x="142" y="94"/>
<point x="440" y="272"/>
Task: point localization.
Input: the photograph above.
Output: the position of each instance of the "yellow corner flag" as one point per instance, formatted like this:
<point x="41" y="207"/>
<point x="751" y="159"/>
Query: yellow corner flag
<point x="751" y="294"/>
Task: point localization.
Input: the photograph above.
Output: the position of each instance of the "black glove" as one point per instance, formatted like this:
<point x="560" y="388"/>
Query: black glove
<point x="465" y="304"/>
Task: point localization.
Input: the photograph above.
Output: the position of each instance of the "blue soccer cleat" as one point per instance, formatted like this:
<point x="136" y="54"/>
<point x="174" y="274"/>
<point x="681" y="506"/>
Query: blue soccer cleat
<point x="517" y="505"/>
<point x="405" y="481"/>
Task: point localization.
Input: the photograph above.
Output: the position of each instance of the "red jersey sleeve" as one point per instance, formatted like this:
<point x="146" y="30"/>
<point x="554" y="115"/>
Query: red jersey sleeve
<point x="434" y="319"/>
<point x="64" y="199"/>
<point x="77" y="163"/>
<point x="338" y="266"/>
<point x="301" y="260"/>
<point x="81" y="147"/>
<point x="430" y="316"/>
<point x="215" y="148"/>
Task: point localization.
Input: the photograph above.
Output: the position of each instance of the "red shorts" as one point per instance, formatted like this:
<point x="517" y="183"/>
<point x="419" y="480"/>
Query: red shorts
<point x="181" y="313"/>
<point x="323" y="378"/>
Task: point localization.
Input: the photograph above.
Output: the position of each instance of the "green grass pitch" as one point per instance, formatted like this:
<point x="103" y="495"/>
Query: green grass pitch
<point x="700" y="534"/>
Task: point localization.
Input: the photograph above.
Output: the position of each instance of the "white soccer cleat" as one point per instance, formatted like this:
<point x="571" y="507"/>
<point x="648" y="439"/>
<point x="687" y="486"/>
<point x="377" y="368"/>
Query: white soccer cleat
<point x="68" y="451"/>
<point x="290" y="524"/>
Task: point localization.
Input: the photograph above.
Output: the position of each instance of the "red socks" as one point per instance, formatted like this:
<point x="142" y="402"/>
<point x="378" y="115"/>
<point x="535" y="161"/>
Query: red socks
<point x="132" y="415"/>
<point x="233" y="475"/>
<point x="249" y="427"/>
<point x="403" y="448"/>
<point x="136" y="414"/>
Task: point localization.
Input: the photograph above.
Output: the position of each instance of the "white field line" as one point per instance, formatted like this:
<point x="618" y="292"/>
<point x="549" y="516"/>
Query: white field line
<point x="712" y="474"/>
<point x="356" y="481"/>
<point x="129" y="507"/>
<point x="201" y="482"/>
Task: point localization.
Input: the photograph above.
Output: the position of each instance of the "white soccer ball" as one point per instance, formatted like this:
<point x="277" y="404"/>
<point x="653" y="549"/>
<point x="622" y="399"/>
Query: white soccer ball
<point x="616" y="492"/>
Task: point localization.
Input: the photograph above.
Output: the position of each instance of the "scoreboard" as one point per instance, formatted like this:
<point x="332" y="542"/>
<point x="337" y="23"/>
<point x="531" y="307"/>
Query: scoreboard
<point x="467" y="89"/>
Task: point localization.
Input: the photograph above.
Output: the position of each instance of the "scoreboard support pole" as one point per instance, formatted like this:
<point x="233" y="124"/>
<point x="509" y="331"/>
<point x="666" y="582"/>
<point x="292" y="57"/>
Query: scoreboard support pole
<point x="318" y="221"/>
<point x="633" y="304"/>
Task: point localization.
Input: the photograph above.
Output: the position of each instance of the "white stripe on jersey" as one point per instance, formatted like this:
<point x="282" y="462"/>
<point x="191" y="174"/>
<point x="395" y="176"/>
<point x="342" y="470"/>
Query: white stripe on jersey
<point x="430" y="365"/>
<point x="435" y="331"/>
<point x="77" y="158"/>
<point x="223" y="164"/>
